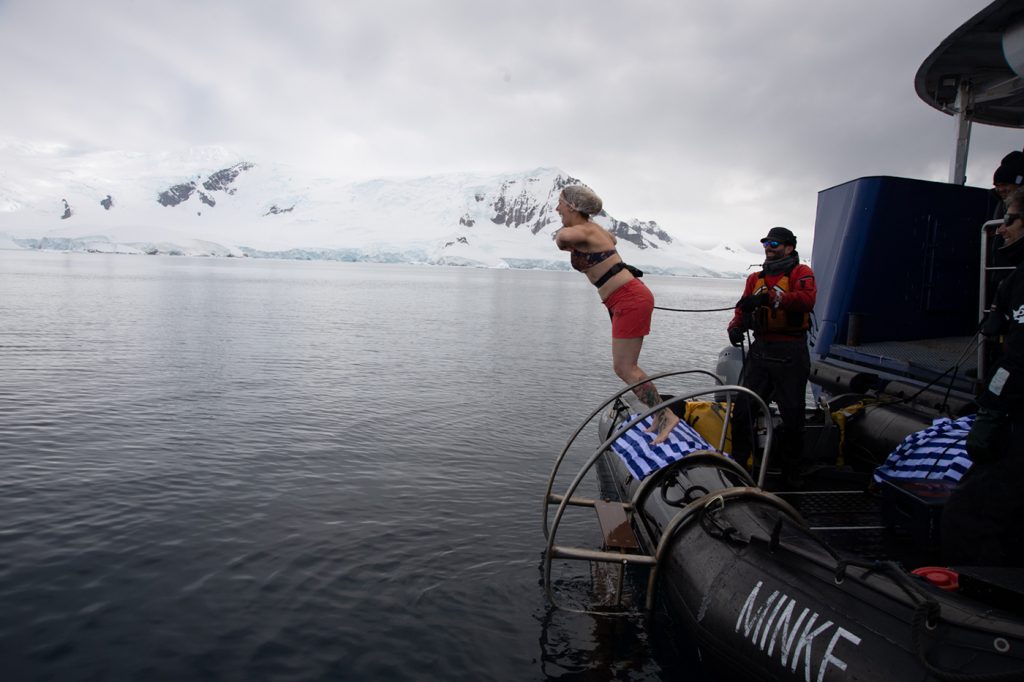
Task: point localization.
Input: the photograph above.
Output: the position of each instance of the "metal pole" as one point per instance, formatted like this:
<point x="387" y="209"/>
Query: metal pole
<point x="964" y="110"/>
<point x="985" y="269"/>
<point x="982" y="295"/>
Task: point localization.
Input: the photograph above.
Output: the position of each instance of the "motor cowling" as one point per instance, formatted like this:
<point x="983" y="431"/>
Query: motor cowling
<point x="729" y="367"/>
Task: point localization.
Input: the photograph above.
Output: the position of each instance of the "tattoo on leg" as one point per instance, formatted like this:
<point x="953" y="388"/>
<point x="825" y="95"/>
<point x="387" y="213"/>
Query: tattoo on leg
<point x="648" y="394"/>
<point x="664" y="420"/>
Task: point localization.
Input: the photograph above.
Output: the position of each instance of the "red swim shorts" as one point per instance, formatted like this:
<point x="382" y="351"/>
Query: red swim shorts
<point x="630" y="306"/>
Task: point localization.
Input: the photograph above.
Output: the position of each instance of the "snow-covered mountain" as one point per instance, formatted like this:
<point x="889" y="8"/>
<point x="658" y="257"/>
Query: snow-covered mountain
<point x="211" y="202"/>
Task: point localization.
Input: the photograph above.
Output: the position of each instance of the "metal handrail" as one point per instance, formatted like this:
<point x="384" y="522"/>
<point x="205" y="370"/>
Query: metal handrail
<point x="689" y="511"/>
<point x="567" y="498"/>
<point x="602" y="406"/>
<point x="549" y="553"/>
<point x="983" y="288"/>
<point x="692" y="459"/>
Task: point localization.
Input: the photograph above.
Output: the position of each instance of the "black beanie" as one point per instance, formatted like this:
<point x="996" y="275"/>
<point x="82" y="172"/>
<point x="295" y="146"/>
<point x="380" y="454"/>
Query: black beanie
<point x="782" y="235"/>
<point x="1011" y="170"/>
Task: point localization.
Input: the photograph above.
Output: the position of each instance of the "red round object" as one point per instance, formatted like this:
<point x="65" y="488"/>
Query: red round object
<point x="943" y="578"/>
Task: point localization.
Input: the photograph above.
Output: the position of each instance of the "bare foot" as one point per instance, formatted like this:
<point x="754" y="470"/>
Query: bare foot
<point x="664" y="423"/>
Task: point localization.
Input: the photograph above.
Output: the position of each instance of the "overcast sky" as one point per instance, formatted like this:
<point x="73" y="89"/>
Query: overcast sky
<point x="713" y="118"/>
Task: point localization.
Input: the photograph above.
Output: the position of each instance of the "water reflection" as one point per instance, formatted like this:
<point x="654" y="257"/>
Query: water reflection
<point x="252" y="470"/>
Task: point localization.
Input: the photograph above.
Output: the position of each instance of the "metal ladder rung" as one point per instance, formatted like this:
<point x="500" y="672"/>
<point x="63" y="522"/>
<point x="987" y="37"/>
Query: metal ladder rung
<point x="555" y="498"/>
<point x="559" y="552"/>
<point x="836" y="528"/>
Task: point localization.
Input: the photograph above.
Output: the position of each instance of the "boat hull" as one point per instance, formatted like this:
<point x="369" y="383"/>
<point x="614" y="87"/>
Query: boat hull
<point x="767" y="600"/>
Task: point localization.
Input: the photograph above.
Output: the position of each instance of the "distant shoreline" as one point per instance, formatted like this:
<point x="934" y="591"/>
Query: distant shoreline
<point x="344" y="256"/>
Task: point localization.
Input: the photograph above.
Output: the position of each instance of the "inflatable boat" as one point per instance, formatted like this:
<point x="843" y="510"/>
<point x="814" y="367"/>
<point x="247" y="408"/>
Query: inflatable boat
<point x="841" y="580"/>
<point x="810" y="585"/>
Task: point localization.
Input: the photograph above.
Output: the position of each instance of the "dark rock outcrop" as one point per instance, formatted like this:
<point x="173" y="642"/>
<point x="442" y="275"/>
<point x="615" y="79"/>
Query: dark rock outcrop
<point x="643" y="233"/>
<point x="276" y="210"/>
<point x="177" y="194"/>
<point x="67" y="210"/>
<point x="220" y="181"/>
<point x="107" y="203"/>
<point x="520" y="210"/>
<point x="514" y="212"/>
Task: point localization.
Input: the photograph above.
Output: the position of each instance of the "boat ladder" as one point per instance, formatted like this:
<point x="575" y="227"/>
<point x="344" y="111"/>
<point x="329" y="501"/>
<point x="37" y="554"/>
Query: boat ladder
<point x="619" y="521"/>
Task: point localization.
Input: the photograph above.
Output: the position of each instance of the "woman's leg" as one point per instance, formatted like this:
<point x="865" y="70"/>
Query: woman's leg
<point x="625" y="354"/>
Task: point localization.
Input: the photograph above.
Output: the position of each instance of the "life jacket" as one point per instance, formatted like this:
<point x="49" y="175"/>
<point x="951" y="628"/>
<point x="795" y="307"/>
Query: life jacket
<point x="768" y="320"/>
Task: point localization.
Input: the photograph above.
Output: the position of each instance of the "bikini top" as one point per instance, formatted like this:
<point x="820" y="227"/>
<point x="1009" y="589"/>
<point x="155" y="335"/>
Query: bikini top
<point x="583" y="261"/>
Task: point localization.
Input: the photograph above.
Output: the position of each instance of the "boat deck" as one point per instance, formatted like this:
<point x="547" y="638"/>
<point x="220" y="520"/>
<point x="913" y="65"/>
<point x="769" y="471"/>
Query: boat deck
<point x="852" y="523"/>
<point x="923" y="360"/>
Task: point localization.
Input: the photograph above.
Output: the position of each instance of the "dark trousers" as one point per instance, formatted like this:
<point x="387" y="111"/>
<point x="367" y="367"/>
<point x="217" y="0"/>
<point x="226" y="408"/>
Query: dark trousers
<point x="774" y="370"/>
<point x="981" y="521"/>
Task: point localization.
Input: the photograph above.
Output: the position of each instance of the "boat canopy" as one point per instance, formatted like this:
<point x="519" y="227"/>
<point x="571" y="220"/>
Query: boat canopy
<point x="982" y="63"/>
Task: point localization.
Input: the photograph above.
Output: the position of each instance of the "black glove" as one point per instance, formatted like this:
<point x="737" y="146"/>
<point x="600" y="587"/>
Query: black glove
<point x="993" y="324"/>
<point x="736" y="336"/>
<point x="749" y="303"/>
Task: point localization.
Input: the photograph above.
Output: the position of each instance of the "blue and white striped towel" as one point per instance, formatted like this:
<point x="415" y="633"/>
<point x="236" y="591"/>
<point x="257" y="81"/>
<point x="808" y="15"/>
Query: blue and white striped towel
<point x="636" y="451"/>
<point x="937" y="452"/>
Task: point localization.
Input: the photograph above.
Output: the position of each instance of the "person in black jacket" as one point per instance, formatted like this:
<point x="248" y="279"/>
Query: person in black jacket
<point x="1008" y="178"/>
<point x="983" y="522"/>
<point x="1003" y="394"/>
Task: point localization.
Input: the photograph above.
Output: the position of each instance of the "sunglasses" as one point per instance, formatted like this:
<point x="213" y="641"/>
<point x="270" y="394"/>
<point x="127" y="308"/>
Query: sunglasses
<point x="1011" y="218"/>
<point x="774" y="243"/>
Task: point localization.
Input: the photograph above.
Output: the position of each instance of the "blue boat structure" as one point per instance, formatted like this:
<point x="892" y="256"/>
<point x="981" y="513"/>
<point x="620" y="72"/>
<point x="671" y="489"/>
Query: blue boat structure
<point x="838" y="580"/>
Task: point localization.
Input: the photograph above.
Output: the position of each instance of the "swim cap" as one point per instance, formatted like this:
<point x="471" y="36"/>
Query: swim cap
<point x="583" y="199"/>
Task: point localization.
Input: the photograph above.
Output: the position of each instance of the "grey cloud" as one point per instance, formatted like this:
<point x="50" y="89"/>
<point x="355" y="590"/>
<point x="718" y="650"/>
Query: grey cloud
<point x="703" y="116"/>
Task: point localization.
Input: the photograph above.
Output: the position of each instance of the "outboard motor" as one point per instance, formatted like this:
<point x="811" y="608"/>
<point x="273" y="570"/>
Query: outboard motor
<point x="730" y="364"/>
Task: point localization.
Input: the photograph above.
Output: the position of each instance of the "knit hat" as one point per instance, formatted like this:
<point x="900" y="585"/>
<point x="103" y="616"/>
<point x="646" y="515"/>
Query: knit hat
<point x="782" y="235"/>
<point x="1011" y="170"/>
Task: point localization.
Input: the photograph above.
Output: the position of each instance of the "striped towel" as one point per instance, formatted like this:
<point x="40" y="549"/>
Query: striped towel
<point x="636" y="451"/>
<point x="938" y="452"/>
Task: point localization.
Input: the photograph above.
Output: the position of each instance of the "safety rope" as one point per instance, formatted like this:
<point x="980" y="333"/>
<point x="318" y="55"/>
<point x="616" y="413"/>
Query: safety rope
<point x="955" y="369"/>
<point x="690" y="310"/>
<point x="711" y="523"/>
<point x="869" y="402"/>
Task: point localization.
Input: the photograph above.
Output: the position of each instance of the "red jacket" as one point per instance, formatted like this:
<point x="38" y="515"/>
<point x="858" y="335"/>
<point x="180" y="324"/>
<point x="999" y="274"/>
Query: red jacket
<point x="799" y="299"/>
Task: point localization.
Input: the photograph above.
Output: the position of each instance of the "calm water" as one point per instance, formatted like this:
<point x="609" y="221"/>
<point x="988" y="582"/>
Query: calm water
<point x="244" y="470"/>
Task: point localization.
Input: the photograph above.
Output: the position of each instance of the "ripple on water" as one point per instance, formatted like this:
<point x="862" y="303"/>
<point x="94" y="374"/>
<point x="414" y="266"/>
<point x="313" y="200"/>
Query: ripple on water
<point x="261" y="470"/>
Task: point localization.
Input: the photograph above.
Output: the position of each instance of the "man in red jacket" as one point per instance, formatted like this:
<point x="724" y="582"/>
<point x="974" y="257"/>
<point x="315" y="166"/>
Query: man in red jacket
<point x="776" y="306"/>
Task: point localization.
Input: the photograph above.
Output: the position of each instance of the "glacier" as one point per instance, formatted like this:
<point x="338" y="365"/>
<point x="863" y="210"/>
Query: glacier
<point x="212" y="202"/>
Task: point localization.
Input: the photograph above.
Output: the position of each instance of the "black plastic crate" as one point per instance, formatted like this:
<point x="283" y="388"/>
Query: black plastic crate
<point x="915" y="507"/>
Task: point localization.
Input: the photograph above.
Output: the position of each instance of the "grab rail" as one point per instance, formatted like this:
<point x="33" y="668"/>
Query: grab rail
<point x="602" y="406"/>
<point x="983" y="273"/>
<point x="568" y="499"/>
<point x="689" y="511"/>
